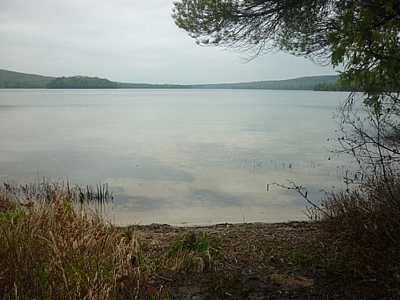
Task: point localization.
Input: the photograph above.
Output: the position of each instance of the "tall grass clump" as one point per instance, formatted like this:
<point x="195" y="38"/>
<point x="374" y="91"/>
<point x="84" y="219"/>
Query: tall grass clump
<point x="364" y="224"/>
<point x="58" y="250"/>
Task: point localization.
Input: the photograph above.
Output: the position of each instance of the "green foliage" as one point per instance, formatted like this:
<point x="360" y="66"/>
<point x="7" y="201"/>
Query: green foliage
<point x="81" y="82"/>
<point x="362" y="35"/>
<point x="366" y="40"/>
<point x="294" y="26"/>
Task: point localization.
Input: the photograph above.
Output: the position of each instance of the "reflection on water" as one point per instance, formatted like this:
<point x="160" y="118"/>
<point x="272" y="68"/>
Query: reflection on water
<point x="176" y="156"/>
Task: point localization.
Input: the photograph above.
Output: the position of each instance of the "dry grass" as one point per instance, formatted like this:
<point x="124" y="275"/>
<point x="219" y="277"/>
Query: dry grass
<point x="248" y="261"/>
<point x="364" y="224"/>
<point x="52" y="248"/>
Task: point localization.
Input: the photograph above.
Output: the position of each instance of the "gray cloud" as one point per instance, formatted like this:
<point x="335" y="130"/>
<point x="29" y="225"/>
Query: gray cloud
<point x="130" y="41"/>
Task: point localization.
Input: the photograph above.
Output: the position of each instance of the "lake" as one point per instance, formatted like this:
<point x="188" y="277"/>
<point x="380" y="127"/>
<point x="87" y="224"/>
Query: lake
<point x="177" y="156"/>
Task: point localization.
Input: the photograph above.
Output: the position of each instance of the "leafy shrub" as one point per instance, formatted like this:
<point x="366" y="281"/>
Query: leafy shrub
<point x="364" y="223"/>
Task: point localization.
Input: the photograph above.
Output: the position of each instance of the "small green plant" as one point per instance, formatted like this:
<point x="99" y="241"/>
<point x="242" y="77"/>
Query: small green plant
<point x="301" y="256"/>
<point x="190" y="252"/>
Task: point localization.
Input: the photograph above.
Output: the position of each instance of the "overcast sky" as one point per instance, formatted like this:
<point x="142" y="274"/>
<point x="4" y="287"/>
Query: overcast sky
<point x="127" y="41"/>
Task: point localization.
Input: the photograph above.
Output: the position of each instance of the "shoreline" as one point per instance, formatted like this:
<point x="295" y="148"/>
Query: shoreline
<point x="155" y="226"/>
<point x="237" y="261"/>
<point x="201" y="217"/>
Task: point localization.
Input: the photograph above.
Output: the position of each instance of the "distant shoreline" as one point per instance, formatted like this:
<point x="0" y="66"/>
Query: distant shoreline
<point x="16" y="80"/>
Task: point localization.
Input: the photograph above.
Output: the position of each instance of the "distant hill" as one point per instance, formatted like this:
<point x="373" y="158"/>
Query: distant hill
<point x="15" y="80"/>
<point x="302" y="83"/>
<point x="10" y="79"/>
<point x="81" y="82"/>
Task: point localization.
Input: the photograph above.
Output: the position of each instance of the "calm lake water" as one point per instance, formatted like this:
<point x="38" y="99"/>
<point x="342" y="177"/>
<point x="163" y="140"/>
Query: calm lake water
<point x="177" y="156"/>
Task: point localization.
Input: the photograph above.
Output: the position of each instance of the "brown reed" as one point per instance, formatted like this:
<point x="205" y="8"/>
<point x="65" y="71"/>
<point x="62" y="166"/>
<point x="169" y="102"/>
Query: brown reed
<point x="56" y="250"/>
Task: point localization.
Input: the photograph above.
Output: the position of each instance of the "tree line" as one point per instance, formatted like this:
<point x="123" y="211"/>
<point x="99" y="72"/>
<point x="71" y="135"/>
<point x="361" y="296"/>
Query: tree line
<point x="81" y="82"/>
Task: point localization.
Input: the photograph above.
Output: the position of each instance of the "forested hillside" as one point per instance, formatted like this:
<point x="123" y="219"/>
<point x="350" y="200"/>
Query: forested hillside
<point x="333" y="86"/>
<point x="81" y="82"/>
<point x="302" y="83"/>
<point x="10" y="79"/>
